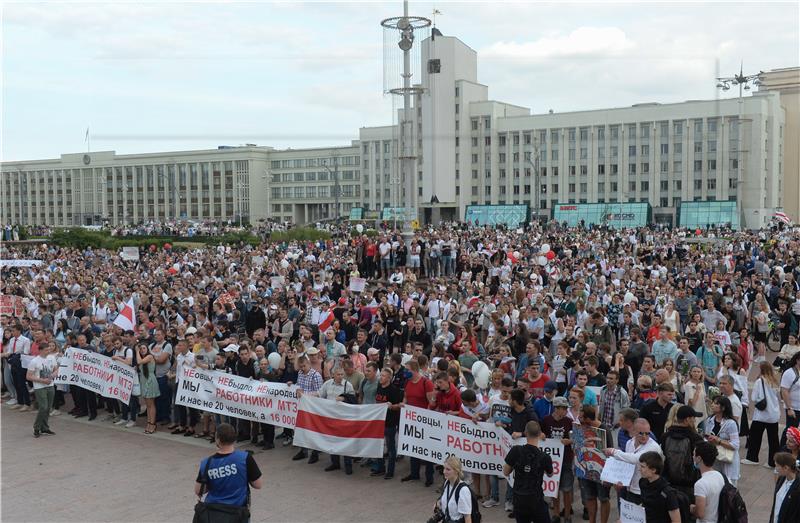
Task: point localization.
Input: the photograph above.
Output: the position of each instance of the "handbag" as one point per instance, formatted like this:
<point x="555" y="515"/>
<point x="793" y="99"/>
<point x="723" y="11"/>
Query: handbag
<point x="724" y="455"/>
<point x="217" y="512"/>
<point x="762" y="403"/>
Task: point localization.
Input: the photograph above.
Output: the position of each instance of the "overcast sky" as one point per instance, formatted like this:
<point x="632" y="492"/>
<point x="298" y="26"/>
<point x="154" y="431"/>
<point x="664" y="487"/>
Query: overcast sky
<point x="175" y="76"/>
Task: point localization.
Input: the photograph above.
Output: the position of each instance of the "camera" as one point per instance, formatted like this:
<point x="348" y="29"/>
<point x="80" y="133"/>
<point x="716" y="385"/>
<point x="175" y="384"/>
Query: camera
<point x="438" y="516"/>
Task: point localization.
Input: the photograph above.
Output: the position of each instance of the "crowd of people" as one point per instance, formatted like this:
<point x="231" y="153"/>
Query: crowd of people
<point x="681" y="346"/>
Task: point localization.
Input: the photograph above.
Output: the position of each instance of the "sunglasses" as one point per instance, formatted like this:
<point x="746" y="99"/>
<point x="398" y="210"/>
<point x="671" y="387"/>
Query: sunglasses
<point x="644" y="433"/>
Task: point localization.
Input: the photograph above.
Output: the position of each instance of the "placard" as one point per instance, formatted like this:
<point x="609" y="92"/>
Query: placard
<point x="130" y="253"/>
<point x="12" y="305"/>
<point x="96" y="373"/>
<point x="631" y="512"/>
<point x="555" y="449"/>
<point x="358" y="284"/>
<point x="617" y="471"/>
<point x="588" y="444"/>
<point x="237" y="396"/>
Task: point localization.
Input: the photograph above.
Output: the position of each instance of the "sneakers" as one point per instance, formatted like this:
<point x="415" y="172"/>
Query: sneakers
<point x="49" y="432"/>
<point x="130" y="424"/>
<point x="767" y="466"/>
<point x="25" y="408"/>
<point x="509" y="506"/>
<point x="489" y="503"/>
<point x="55" y="412"/>
<point x="12" y="401"/>
<point x="287" y="441"/>
<point x="120" y="422"/>
<point x="746" y="461"/>
<point x="16" y="406"/>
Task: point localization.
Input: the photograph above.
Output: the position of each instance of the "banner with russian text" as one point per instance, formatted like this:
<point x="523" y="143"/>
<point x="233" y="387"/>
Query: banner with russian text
<point x="236" y="396"/>
<point x="433" y="436"/>
<point x="555" y="449"/>
<point x="96" y="373"/>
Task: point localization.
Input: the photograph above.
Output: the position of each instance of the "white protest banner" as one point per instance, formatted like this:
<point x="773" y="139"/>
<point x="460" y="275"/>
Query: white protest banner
<point x="358" y="284"/>
<point x="258" y="261"/>
<point x="130" y="253"/>
<point x="434" y="436"/>
<point x="96" y="373"/>
<point x="555" y="449"/>
<point x="276" y="282"/>
<point x="617" y="471"/>
<point x="239" y="397"/>
<point x="631" y="512"/>
<point x="20" y="263"/>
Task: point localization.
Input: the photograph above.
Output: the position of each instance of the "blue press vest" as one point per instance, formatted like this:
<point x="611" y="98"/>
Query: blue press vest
<point x="227" y="479"/>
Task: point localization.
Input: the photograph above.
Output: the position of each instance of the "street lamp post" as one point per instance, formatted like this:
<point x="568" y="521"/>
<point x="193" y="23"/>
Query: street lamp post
<point x="335" y="174"/>
<point x="744" y="82"/>
<point x="537" y="201"/>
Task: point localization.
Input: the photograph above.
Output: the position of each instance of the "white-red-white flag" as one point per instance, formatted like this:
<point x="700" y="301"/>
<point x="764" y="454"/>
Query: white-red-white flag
<point x="782" y="217"/>
<point x="126" y="319"/>
<point x="340" y="428"/>
<point x="326" y="320"/>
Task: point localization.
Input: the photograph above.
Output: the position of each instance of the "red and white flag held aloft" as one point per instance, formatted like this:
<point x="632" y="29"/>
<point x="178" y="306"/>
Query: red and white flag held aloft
<point x="339" y="428"/>
<point x="126" y="319"/>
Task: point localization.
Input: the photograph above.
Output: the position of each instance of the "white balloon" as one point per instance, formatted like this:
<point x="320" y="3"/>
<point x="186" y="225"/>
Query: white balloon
<point x="360" y="228"/>
<point x="481" y="373"/>
<point x="545" y="248"/>
<point x="274" y="360"/>
<point x="542" y="261"/>
<point x="517" y="255"/>
<point x="285" y="263"/>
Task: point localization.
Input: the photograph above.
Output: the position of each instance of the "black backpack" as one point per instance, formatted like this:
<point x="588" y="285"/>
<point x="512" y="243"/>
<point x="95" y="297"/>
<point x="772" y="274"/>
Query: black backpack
<point x="732" y="508"/>
<point x="684" y="503"/>
<point x="476" y="507"/>
<point x="678" y="466"/>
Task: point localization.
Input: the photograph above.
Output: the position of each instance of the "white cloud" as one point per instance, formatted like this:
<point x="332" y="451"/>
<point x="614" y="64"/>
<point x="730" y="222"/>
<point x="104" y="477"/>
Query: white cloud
<point x="583" y="42"/>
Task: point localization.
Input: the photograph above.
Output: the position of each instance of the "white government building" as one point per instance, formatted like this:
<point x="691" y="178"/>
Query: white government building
<point x="680" y="163"/>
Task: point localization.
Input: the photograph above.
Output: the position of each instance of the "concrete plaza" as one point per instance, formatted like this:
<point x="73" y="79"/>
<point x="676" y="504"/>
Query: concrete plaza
<point x="95" y="471"/>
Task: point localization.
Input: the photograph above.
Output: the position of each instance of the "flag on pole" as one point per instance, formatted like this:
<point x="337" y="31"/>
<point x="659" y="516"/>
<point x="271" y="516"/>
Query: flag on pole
<point x="782" y="217"/>
<point x="326" y="320"/>
<point x="339" y="428"/>
<point x="86" y="138"/>
<point x="126" y="319"/>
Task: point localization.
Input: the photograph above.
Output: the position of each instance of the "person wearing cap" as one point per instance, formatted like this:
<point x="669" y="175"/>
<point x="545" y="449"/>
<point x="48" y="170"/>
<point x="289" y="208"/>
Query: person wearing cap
<point x="543" y="406"/>
<point x="678" y="443"/>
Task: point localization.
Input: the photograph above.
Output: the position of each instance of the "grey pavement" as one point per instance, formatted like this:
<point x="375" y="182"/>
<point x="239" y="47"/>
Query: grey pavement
<point x="97" y="472"/>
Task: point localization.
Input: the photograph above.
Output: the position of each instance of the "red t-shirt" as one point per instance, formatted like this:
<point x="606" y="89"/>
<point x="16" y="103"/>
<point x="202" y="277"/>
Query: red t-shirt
<point x="448" y="401"/>
<point x="416" y="393"/>
<point x="537" y="387"/>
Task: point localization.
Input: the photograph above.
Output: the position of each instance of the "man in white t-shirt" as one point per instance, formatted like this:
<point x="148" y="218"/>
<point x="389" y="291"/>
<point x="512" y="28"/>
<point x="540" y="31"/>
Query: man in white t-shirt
<point x="385" y="250"/>
<point x="41" y="372"/>
<point x="708" y="488"/>
<point x="726" y="389"/>
<point x="790" y="394"/>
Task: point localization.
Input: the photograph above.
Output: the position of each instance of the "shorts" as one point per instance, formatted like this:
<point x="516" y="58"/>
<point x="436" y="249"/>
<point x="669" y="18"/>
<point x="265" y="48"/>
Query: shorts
<point x="413" y="262"/>
<point x="593" y="490"/>
<point x="567" y="481"/>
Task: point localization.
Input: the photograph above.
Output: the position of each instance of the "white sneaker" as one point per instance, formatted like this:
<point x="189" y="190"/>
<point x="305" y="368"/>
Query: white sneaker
<point x="5" y="395"/>
<point x="120" y="422"/>
<point x="746" y="461"/>
<point x="509" y="506"/>
<point x="55" y="412"/>
<point x="130" y="424"/>
<point x="12" y="401"/>
<point x="766" y="466"/>
<point x="16" y="406"/>
<point x="25" y="408"/>
<point x="489" y="503"/>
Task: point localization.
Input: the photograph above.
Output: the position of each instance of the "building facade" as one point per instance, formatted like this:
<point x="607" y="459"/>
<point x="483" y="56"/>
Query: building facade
<point x="470" y="151"/>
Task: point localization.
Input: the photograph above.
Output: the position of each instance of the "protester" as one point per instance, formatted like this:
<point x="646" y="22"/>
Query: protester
<point x="529" y="465"/>
<point x="786" y="501"/>
<point x="456" y="501"/>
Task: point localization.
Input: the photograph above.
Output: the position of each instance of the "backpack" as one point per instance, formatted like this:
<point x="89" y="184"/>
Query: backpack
<point x="476" y="507"/>
<point x="684" y="503"/>
<point x="679" y="468"/>
<point x="732" y="508"/>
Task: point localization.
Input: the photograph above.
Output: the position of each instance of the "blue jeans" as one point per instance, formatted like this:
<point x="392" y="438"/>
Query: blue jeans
<point x="163" y="400"/>
<point x="415" y="465"/>
<point x="494" y="483"/>
<point x="389" y="434"/>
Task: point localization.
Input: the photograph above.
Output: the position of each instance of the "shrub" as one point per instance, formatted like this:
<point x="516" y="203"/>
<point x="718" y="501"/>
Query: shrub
<point x="301" y="234"/>
<point x="80" y="238"/>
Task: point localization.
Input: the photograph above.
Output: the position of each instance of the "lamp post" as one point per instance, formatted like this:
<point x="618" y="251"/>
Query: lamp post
<point x="536" y="188"/>
<point x="744" y="82"/>
<point x="335" y="175"/>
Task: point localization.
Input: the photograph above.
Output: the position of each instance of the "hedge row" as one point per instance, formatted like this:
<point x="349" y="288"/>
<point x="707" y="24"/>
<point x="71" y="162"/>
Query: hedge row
<point x="83" y="238"/>
<point x="300" y="234"/>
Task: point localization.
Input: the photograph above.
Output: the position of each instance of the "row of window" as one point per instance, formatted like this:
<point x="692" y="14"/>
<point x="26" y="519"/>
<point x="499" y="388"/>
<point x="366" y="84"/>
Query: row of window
<point x="322" y="191"/>
<point x="320" y="176"/>
<point x="300" y="163"/>
<point x="583" y="187"/>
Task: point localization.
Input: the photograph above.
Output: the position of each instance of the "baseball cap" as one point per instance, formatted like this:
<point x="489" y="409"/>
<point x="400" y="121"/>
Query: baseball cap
<point x="191" y="330"/>
<point x="550" y="385"/>
<point x="373" y="350"/>
<point x="686" y="411"/>
<point x="560" y="401"/>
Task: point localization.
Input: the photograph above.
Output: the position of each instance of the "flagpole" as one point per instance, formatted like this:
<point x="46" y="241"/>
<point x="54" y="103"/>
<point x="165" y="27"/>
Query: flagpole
<point x="88" y="141"/>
